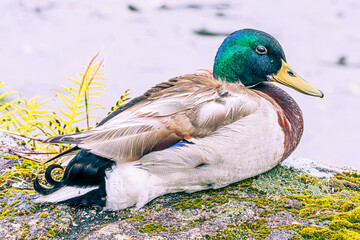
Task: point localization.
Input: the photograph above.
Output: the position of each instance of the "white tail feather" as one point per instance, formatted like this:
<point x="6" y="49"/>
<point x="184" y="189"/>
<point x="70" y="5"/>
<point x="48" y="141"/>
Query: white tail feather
<point x="63" y="194"/>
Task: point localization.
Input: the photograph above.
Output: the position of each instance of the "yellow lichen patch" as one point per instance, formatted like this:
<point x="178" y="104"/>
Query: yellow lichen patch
<point x="152" y="228"/>
<point x="337" y="211"/>
<point x="8" y="210"/>
<point x="52" y="230"/>
<point x="327" y="234"/>
<point x="44" y="214"/>
<point x="354" y="215"/>
<point x="256" y="229"/>
<point x="23" y="174"/>
<point x="134" y="218"/>
<point x="10" y="156"/>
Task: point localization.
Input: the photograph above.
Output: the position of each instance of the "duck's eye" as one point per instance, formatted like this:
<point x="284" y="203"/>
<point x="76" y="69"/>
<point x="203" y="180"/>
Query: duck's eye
<point x="261" y="50"/>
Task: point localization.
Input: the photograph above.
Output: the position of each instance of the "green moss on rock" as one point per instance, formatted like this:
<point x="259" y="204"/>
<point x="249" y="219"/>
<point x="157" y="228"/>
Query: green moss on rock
<point x="155" y="227"/>
<point x="44" y="215"/>
<point x="282" y="199"/>
<point x="248" y="230"/>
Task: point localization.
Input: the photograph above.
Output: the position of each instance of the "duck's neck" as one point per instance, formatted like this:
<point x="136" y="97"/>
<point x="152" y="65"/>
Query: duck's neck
<point x="290" y="118"/>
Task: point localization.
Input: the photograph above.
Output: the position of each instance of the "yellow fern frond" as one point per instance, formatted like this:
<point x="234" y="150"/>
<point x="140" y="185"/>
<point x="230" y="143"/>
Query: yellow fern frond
<point x="30" y="116"/>
<point x="123" y="98"/>
<point x="80" y="97"/>
<point x="34" y="117"/>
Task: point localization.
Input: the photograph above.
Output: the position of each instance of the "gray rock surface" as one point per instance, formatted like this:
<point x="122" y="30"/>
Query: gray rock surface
<point x="268" y="206"/>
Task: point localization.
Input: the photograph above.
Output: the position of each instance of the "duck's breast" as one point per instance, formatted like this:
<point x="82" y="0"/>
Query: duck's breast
<point x="290" y="117"/>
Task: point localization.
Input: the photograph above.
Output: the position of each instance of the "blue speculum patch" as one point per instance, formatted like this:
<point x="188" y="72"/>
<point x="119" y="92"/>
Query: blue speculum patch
<point x="181" y="143"/>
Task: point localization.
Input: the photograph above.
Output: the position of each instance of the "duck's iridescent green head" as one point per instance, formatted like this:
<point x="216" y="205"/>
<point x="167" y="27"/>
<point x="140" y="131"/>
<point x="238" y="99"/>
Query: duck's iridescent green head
<point x="251" y="56"/>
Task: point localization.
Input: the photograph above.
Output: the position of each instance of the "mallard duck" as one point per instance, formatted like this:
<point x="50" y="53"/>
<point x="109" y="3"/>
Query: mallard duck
<point x="194" y="132"/>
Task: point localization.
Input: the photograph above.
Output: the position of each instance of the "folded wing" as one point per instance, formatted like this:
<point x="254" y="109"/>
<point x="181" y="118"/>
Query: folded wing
<point x="190" y="106"/>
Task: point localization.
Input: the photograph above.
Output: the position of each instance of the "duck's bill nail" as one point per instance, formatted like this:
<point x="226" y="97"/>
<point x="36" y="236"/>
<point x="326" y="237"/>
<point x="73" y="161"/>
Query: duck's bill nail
<point x="289" y="78"/>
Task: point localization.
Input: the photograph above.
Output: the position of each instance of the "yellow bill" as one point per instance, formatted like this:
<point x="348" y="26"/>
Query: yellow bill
<point x="288" y="77"/>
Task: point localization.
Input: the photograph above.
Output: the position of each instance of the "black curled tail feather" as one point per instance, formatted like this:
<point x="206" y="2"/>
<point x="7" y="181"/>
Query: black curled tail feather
<point x="84" y="170"/>
<point x="55" y="184"/>
<point x="43" y="190"/>
<point x="48" y="177"/>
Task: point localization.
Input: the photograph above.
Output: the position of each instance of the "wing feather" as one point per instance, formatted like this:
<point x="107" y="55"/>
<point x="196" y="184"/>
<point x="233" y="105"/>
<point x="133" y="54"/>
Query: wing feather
<point x="190" y="106"/>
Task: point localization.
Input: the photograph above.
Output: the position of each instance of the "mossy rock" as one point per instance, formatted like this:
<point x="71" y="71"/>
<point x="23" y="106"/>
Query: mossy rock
<point x="283" y="203"/>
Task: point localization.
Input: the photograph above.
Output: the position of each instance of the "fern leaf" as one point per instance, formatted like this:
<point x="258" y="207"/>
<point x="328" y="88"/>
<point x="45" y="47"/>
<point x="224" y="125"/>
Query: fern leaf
<point x="41" y="118"/>
<point x="79" y="97"/>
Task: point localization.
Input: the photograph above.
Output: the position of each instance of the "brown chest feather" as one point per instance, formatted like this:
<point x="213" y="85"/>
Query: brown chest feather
<point x="289" y="116"/>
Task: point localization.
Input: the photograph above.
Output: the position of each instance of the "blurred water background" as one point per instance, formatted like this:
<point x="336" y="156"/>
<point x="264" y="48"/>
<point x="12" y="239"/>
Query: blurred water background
<point x="42" y="43"/>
